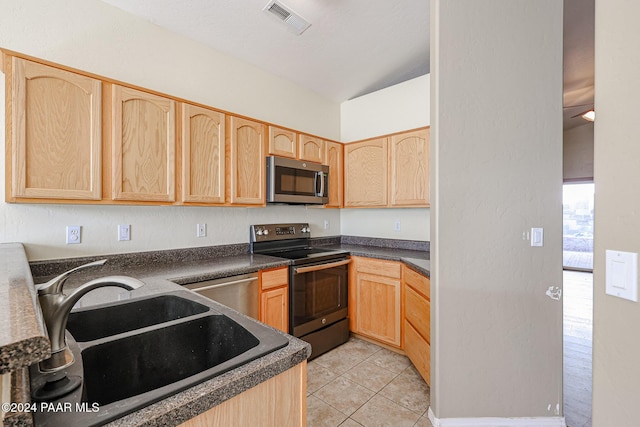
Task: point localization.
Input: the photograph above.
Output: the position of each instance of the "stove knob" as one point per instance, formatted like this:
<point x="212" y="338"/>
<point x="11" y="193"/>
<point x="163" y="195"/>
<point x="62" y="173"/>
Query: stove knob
<point x="265" y="232"/>
<point x="259" y="232"/>
<point x="306" y="230"/>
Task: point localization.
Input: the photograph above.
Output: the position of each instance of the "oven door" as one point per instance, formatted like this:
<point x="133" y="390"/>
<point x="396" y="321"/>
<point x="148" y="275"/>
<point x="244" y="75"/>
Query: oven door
<point x="318" y="296"/>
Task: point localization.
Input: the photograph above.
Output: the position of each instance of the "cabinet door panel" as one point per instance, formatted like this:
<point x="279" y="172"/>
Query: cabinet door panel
<point x="365" y="173"/>
<point x="55" y="132"/>
<point x="273" y="308"/>
<point x="282" y="142"/>
<point x="203" y="150"/>
<point x="143" y="146"/>
<point x="410" y="169"/>
<point x="418" y="282"/>
<point x="378" y="267"/>
<point x="417" y="311"/>
<point x="247" y="158"/>
<point x="311" y="148"/>
<point x="274" y="278"/>
<point x="333" y="158"/>
<point x="378" y="307"/>
<point x="418" y="350"/>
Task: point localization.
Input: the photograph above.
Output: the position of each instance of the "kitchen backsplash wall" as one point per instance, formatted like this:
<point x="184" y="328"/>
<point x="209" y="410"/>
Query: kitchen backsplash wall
<point x="41" y="228"/>
<point x="383" y="223"/>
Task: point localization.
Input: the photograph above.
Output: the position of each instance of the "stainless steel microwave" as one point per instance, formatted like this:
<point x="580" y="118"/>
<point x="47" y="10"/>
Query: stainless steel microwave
<point x="296" y="182"/>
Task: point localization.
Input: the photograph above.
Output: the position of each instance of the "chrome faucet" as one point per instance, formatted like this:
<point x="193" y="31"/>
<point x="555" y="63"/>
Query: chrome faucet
<point x="56" y="306"/>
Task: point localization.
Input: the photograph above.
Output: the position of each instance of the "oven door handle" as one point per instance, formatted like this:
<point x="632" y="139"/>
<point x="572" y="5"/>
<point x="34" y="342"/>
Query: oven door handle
<point x="300" y="270"/>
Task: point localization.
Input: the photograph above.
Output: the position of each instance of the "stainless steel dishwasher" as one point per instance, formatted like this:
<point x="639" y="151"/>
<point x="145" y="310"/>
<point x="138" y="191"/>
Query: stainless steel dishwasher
<point x="237" y="292"/>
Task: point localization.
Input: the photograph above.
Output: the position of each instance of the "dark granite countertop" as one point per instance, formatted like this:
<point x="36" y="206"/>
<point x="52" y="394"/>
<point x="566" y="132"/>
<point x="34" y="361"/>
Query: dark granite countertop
<point x="23" y="340"/>
<point x="416" y="259"/>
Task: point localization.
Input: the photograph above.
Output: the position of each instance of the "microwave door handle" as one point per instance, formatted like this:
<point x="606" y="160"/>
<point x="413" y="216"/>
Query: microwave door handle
<point x="320" y="177"/>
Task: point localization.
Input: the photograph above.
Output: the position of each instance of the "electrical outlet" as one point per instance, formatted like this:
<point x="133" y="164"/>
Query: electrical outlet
<point x="73" y="234"/>
<point x="396" y="225"/>
<point x="124" y="232"/>
<point x="327" y="225"/>
<point x="201" y="230"/>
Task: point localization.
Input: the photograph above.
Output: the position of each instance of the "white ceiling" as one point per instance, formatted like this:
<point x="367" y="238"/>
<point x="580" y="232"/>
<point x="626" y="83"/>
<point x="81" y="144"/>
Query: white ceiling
<point x="353" y="47"/>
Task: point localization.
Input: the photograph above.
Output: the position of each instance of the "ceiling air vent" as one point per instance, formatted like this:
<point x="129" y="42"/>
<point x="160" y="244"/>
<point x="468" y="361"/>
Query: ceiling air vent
<point x="295" y="22"/>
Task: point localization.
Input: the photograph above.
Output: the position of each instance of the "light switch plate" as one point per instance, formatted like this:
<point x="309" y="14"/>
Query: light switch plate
<point x="537" y="237"/>
<point x="622" y="274"/>
<point x="124" y="232"/>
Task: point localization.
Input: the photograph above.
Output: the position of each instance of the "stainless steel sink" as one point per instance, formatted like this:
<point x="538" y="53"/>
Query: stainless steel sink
<point x="132" y="354"/>
<point x="103" y="321"/>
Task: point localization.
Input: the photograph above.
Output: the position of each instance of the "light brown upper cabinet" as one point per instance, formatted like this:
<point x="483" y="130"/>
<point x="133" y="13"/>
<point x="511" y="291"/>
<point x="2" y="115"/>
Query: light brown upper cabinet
<point x="410" y="169"/>
<point x="143" y="146"/>
<point x="247" y="161"/>
<point x="54" y="134"/>
<point x="403" y="181"/>
<point x="283" y="142"/>
<point x="333" y="158"/>
<point x="203" y="155"/>
<point x="311" y="148"/>
<point x="365" y="173"/>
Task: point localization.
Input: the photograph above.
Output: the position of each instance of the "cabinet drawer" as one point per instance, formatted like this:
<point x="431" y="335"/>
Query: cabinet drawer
<point x="418" y="351"/>
<point x="417" y="310"/>
<point x="378" y="267"/>
<point x="417" y="281"/>
<point x="274" y="278"/>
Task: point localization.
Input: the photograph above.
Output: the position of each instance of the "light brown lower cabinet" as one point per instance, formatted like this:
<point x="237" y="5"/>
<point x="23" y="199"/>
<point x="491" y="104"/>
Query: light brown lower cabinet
<point x="279" y="401"/>
<point x="417" y="320"/>
<point x="374" y="304"/>
<point x="274" y="298"/>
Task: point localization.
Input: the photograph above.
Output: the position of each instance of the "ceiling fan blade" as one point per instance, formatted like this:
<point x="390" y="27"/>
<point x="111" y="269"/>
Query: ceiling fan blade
<point x="580" y="114"/>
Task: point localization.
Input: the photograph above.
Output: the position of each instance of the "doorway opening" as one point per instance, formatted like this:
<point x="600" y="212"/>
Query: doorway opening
<point x="577" y="204"/>
<point x="577" y="226"/>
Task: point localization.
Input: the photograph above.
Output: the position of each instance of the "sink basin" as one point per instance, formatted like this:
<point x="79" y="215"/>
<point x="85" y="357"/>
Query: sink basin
<point x="95" y="323"/>
<point x="126" y="367"/>
<point x="132" y="354"/>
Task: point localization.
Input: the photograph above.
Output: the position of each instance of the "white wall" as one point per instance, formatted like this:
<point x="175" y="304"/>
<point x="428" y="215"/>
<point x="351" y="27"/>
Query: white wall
<point x="397" y="108"/>
<point x="496" y="337"/>
<point x="414" y="223"/>
<point x="394" y="109"/>
<point x="95" y="37"/>
<point x="616" y="322"/>
<point x="577" y="153"/>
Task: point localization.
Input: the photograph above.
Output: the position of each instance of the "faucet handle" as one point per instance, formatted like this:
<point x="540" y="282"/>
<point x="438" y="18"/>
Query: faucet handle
<point x="54" y="286"/>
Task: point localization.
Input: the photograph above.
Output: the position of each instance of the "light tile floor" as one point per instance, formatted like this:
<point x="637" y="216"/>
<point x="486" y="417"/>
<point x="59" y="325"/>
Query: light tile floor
<point x="363" y="384"/>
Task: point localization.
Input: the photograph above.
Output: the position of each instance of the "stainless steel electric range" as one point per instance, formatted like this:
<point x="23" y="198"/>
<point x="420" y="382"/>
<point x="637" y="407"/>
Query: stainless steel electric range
<point x="318" y="283"/>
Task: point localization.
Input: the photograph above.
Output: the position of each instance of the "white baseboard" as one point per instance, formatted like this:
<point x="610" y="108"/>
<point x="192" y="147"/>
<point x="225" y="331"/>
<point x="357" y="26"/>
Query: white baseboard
<point x="497" y="422"/>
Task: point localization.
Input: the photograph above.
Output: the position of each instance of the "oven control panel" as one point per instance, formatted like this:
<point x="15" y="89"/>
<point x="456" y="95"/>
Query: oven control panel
<point x="269" y="232"/>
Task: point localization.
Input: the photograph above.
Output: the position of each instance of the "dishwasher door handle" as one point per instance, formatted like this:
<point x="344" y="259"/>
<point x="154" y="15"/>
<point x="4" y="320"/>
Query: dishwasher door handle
<point x="319" y="267"/>
<point x="222" y="285"/>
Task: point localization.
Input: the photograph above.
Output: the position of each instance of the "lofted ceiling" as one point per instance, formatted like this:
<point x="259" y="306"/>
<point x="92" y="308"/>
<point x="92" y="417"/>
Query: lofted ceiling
<point x="353" y="47"/>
